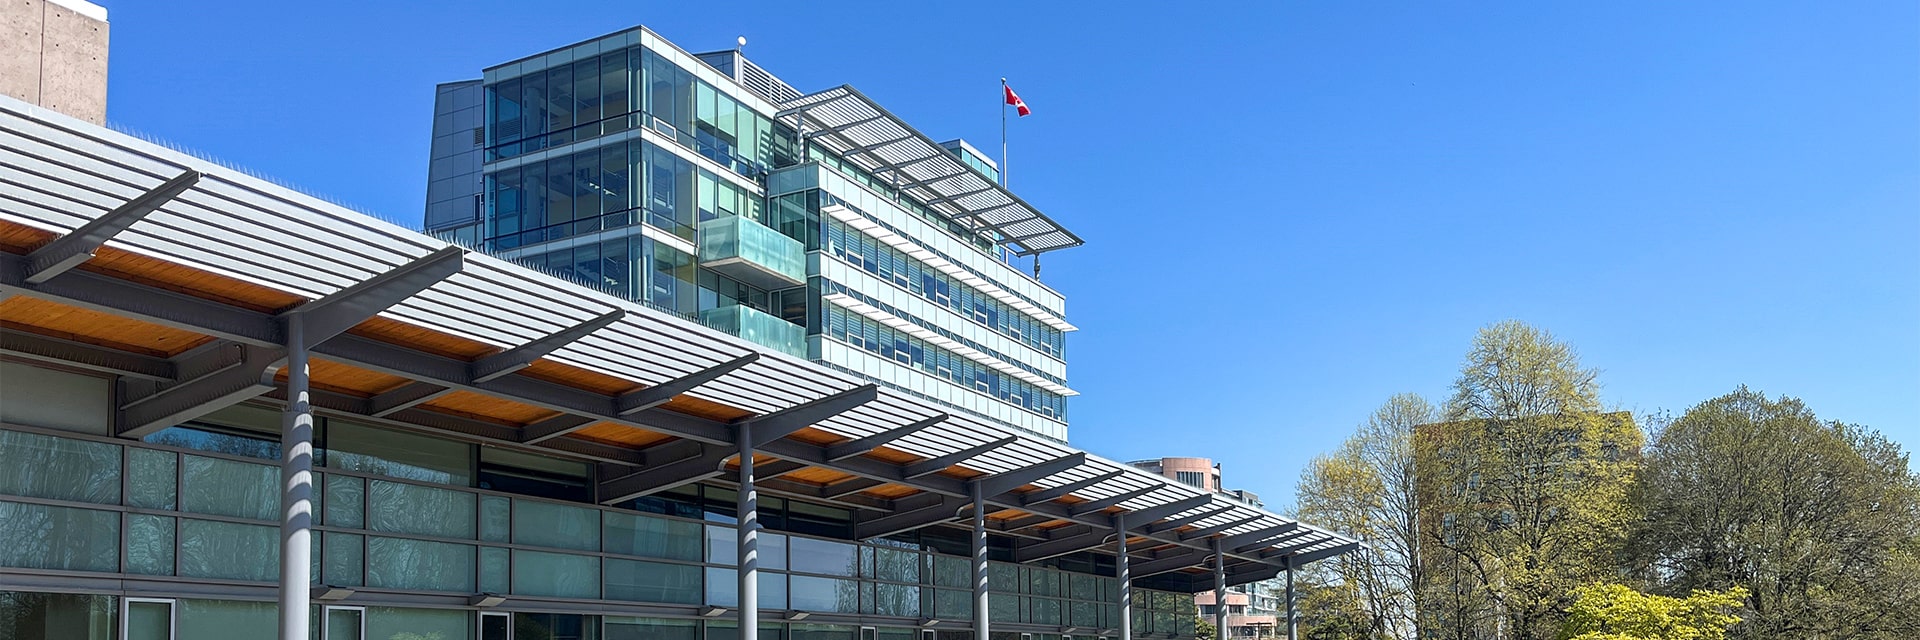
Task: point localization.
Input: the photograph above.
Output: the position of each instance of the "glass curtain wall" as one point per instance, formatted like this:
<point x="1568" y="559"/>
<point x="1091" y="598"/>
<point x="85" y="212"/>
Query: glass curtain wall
<point x="398" y="510"/>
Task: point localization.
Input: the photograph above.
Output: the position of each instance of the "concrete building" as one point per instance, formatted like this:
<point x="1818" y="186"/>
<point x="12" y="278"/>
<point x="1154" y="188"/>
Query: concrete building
<point x="1252" y="609"/>
<point x="232" y="410"/>
<point x="54" y="54"/>
<point x="819" y="224"/>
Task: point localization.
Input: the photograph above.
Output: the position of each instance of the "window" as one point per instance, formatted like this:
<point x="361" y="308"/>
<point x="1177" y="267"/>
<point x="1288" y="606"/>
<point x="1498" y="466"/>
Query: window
<point x="1191" y="478"/>
<point x="56" y="615"/>
<point x="343" y="623"/>
<point x="147" y="619"/>
<point x="496" y="626"/>
<point x="358" y="447"/>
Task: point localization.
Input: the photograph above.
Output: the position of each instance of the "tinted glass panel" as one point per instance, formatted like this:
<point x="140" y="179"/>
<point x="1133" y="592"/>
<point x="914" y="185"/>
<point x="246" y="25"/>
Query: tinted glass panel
<point x="43" y="537"/>
<point x="40" y="466"/>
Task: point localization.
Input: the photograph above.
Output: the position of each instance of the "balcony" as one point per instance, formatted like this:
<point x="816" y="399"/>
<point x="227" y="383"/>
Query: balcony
<point x="752" y="253"/>
<point x="758" y="327"/>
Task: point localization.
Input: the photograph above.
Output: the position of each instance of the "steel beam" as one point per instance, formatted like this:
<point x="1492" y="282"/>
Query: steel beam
<point x="1054" y="548"/>
<point x="1181" y="521"/>
<point x="1155" y="513"/>
<point x="868" y="149"/>
<point x="229" y="374"/>
<point x="1298" y="560"/>
<point x="1102" y="504"/>
<point x="33" y="346"/>
<point x="407" y="396"/>
<point x="1062" y="491"/>
<point x="335" y="313"/>
<point x="1203" y="532"/>
<point x="860" y="446"/>
<point x="704" y="465"/>
<point x="915" y="512"/>
<point x="779" y="424"/>
<point x="981" y="619"/>
<point x="1266" y="549"/>
<point x="1242" y="539"/>
<point x="929" y="181"/>
<point x="636" y="401"/>
<point x="932" y="466"/>
<point x="76" y="247"/>
<point x="1122" y="568"/>
<point x="1174" y="561"/>
<point x="525" y="355"/>
<point x="296" y="488"/>
<point x="1003" y="482"/>
<point x="958" y="196"/>
<point x="848" y="487"/>
<point x="747" y="538"/>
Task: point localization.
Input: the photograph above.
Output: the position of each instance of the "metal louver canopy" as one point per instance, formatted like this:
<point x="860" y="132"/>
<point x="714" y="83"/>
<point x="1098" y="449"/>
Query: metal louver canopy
<point x="847" y="122"/>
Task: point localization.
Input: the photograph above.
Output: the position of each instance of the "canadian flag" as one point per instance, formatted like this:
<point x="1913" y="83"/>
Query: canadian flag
<point x="1018" y="104"/>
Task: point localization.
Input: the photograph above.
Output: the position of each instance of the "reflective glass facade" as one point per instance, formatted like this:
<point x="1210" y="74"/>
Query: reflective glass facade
<point x="398" y="512"/>
<point x="627" y="165"/>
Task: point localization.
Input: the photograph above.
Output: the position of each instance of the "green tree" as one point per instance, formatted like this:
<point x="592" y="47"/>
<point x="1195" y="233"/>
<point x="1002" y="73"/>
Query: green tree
<point x="1367" y="489"/>
<point x="1525" y="485"/>
<point x="1617" y="612"/>
<point x="1203" y="628"/>
<point x="1819" y="519"/>
<point x="1332" y="610"/>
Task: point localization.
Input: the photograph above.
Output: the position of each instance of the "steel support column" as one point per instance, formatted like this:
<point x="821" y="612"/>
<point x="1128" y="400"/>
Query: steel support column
<point x="1293" y="617"/>
<point x="1126" y="580"/>
<point x="748" y="538"/>
<point x="979" y="563"/>
<point x="1220" y="592"/>
<point x="296" y="486"/>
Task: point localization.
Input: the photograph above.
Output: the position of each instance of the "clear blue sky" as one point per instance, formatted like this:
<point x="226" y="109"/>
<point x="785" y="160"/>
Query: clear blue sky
<point x="1292" y="210"/>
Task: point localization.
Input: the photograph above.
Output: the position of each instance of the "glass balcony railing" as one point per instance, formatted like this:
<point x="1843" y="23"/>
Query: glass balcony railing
<point x="752" y="253"/>
<point x="758" y="327"/>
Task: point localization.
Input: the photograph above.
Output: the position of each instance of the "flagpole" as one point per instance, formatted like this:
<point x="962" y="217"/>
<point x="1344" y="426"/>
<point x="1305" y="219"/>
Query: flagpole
<point x="1003" y="132"/>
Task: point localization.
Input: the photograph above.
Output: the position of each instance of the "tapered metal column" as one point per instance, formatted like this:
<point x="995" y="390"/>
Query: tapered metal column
<point x="296" y="489"/>
<point x="1293" y="618"/>
<point x="979" y="563"/>
<point x="748" y="539"/>
<point x="1126" y="580"/>
<point x="1219" y="592"/>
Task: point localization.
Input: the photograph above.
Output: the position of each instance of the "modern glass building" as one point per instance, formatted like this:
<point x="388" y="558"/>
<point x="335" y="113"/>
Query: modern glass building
<point x="232" y="410"/>
<point x="819" y="225"/>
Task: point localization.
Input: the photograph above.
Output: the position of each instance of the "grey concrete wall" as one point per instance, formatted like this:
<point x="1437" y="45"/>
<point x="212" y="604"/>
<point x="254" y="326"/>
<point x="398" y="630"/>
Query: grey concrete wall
<point x="54" y="54"/>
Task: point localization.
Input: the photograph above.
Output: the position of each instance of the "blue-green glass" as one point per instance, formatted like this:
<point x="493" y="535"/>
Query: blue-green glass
<point x="809" y="593"/>
<point x="1043" y="610"/>
<point x="152" y="478"/>
<point x="758" y="327"/>
<point x="953" y="604"/>
<point x="808" y="555"/>
<point x="389" y="623"/>
<point x="897" y="600"/>
<point x="150" y="544"/>
<point x="226" y="619"/>
<point x="641" y="581"/>
<point x="38" y="466"/>
<point x="1084" y="614"/>
<point x="1004" y="608"/>
<point x="496" y="518"/>
<point x="723" y="588"/>
<point x="228" y="550"/>
<point x="950" y="571"/>
<point x="538" y="573"/>
<point x="346" y="501"/>
<point x="643" y="535"/>
<point x="396" y="563"/>
<point x="546" y="524"/>
<point x="896" y="565"/>
<point x="34" y="536"/>
<point x="228" y="488"/>
<point x="420" y="510"/>
<point x="621" y="628"/>
<point x="494" y="563"/>
<point x="346" y="559"/>
<point x="1003" y="578"/>
<point x="148" y="620"/>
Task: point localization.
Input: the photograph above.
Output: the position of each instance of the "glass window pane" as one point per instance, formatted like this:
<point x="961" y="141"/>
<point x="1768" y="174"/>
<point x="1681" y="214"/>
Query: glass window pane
<point x="809" y="555"/>
<point x="496" y="518"/>
<point x="149" y="620"/>
<point x="537" y="573"/>
<point x="226" y="619"/>
<point x="723" y="588"/>
<point x="346" y="556"/>
<point x="897" y="600"/>
<point x="228" y="488"/>
<point x="619" y="628"/>
<point x="419" y="510"/>
<point x="40" y="466"/>
<point x="652" y="582"/>
<point x="953" y="604"/>
<point x="343" y="624"/>
<point x="153" y="475"/>
<point x="896" y="565"/>
<point x="227" y="550"/>
<point x="825" y="594"/>
<point x="639" y="535"/>
<point x="36" y="536"/>
<point x="357" y="447"/>
<point x="149" y="545"/>
<point x="821" y="632"/>
<point x="395" y="563"/>
<point x="58" y="615"/>
<point x="546" y="524"/>
<point x="493" y="569"/>
<point x="345" y="501"/>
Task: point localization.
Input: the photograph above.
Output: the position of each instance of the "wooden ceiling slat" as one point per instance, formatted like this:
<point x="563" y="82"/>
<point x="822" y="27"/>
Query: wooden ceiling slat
<point x="96" y="328"/>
